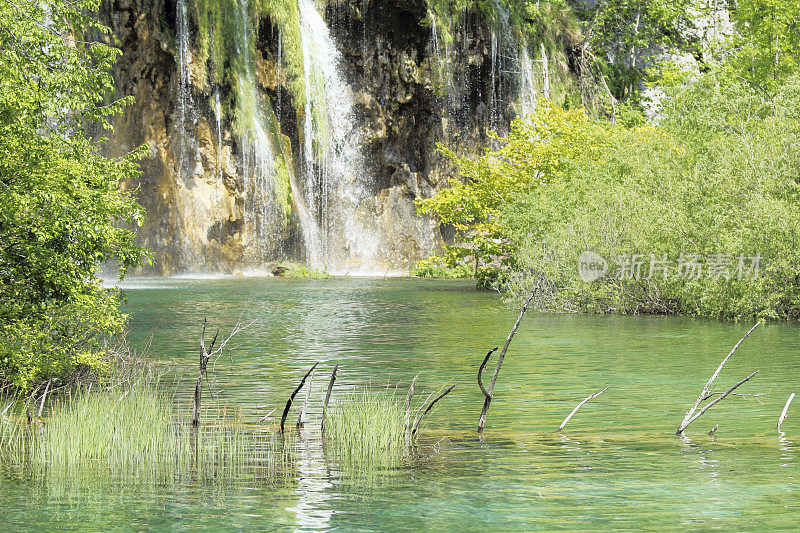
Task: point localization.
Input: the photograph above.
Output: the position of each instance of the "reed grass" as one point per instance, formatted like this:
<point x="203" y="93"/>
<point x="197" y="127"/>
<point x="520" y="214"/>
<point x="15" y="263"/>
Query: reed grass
<point x="13" y="443"/>
<point x="367" y="429"/>
<point x="137" y="431"/>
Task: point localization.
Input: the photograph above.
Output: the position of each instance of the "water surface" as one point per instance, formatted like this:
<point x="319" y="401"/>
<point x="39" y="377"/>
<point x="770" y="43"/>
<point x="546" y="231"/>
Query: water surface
<point x="617" y="465"/>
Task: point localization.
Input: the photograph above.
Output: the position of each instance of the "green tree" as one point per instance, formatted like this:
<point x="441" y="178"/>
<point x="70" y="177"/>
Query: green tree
<point x="766" y="47"/>
<point x="536" y="151"/>
<point x="61" y="211"/>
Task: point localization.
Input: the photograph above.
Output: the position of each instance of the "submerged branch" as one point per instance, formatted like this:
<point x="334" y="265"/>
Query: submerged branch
<point x="480" y="372"/>
<point x="407" y="418"/>
<point x="595" y="395"/>
<point x="706" y="394"/>
<point x="488" y="393"/>
<point x="294" y="393"/>
<point x="685" y="423"/>
<point x="783" y="413"/>
<point x="418" y="421"/>
<point x="328" y="398"/>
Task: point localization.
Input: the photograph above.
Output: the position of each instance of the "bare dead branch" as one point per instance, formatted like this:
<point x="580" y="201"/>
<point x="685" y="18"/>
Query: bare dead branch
<point x="294" y="393"/>
<point x="706" y="393"/>
<point x="480" y="372"/>
<point x="595" y="395"/>
<point x="410" y="395"/>
<point x="418" y="421"/>
<point x="301" y="419"/>
<point x="785" y="409"/>
<point x="206" y="355"/>
<point x="41" y="404"/>
<point x="328" y="398"/>
<point x="488" y="393"/>
<point x="711" y="404"/>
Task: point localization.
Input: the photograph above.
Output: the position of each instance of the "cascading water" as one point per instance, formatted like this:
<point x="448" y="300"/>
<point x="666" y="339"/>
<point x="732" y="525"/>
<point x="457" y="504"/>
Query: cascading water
<point x="335" y="177"/>
<point x="500" y="29"/>
<point x="186" y="117"/>
<point x="527" y="85"/>
<point x="266" y="207"/>
<point x="218" y="116"/>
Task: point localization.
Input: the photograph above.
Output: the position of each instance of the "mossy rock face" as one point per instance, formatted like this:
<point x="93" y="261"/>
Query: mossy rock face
<point x="389" y="63"/>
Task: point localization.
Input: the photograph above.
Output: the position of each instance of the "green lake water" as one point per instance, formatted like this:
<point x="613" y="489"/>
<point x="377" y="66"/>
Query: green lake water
<point x="618" y="464"/>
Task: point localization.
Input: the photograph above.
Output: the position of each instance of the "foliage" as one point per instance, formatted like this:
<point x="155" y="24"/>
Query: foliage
<point x="536" y="150"/>
<point x="441" y="267"/>
<point x="618" y="32"/>
<point x="298" y="270"/>
<point x="61" y="212"/>
<point x="765" y="49"/>
<point x="717" y="181"/>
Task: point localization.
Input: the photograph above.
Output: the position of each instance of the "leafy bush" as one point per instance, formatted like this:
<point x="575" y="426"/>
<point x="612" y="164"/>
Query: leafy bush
<point x="440" y="267"/>
<point x="62" y="213"/>
<point x="717" y="181"/>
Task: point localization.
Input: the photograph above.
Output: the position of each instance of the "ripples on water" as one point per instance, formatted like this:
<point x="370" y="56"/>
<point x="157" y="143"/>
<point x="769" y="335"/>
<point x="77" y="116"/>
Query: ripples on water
<point x="617" y="464"/>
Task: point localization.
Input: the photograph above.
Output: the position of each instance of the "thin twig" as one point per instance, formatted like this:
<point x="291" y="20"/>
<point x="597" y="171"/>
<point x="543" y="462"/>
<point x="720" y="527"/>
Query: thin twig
<point x="294" y="393"/>
<point x="706" y="394"/>
<point x="711" y="404"/>
<point x="41" y="404"/>
<point x="418" y="421"/>
<point x="488" y="393"/>
<point x="301" y="419"/>
<point x="407" y="418"/>
<point x="480" y="372"/>
<point x="328" y="398"/>
<point x="785" y="409"/>
<point x="595" y="395"/>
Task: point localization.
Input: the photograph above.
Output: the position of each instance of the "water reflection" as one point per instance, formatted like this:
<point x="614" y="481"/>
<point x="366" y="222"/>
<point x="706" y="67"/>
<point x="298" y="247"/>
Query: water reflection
<point x="313" y="484"/>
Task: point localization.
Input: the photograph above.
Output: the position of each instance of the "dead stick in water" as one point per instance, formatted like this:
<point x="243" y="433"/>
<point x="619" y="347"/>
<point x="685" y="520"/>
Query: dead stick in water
<point x="198" y="388"/>
<point x="301" y="419"/>
<point x="706" y="394"/>
<point x="713" y="403"/>
<point x="294" y="393"/>
<point x="41" y="404"/>
<point x="785" y="409"/>
<point x="595" y="395"/>
<point x="328" y="397"/>
<point x="480" y="372"/>
<point x="488" y="393"/>
<point x="407" y="418"/>
<point x="418" y="421"/>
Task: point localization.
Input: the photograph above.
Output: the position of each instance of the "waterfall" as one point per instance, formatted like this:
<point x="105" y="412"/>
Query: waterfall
<point x="500" y="29"/>
<point x="527" y="86"/>
<point x="335" y="177"/>
<point x="185" y="103"/>
<point x="266" y="202"/>
<point x="218" y="116"/>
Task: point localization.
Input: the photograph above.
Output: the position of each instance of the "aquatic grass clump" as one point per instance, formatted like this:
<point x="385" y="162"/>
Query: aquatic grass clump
<point x="136" y="432"/>
<point x="13" y="443"/>
<point x="129" y="428"/>
<point x="367" y="429"/>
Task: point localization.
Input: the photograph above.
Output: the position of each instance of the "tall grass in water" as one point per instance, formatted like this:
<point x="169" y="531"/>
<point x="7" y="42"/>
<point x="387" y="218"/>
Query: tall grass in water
<point x="367" y="430"/>
<point x="13" y="441"/>
<point x="136" y="432"/>
<point x="129" y="429"/>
